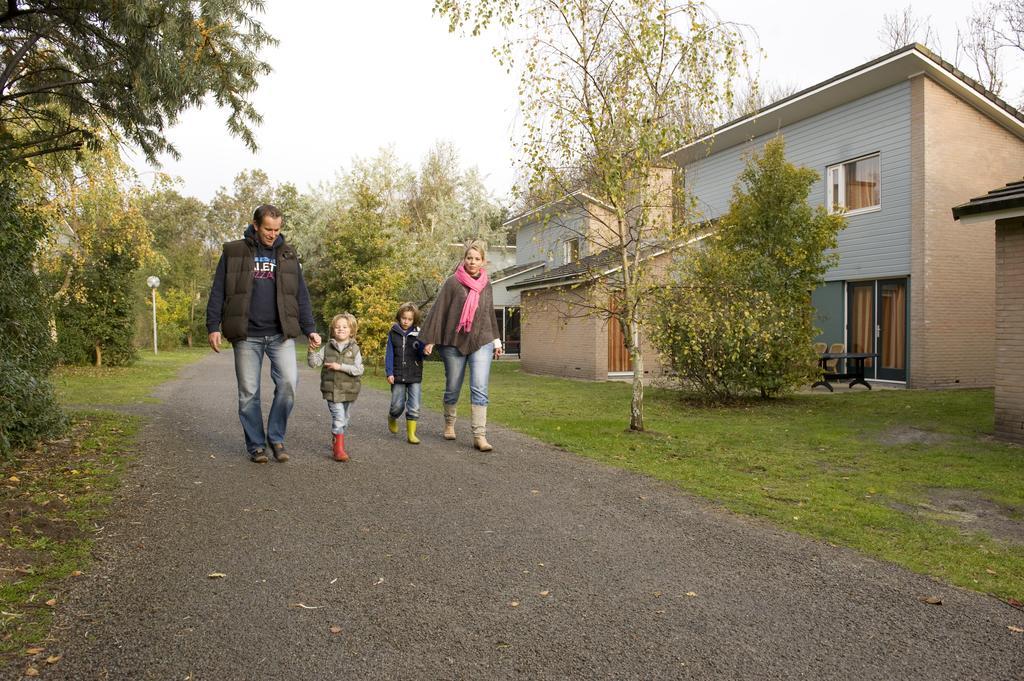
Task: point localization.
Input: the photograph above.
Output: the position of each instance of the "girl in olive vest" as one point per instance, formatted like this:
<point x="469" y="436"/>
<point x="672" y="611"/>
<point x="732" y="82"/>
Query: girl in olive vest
<point x="339" y="378"/>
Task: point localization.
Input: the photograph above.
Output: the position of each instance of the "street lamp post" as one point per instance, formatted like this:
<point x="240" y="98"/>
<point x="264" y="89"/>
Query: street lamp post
<point x="153" y="283"/>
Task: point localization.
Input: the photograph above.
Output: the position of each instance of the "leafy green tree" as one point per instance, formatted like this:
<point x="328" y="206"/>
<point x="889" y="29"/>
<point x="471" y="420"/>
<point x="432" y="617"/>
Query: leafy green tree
<point x="28" y="410"/>
<point x="92" y="262"/>
<point x="230" y="211"/>
<point x="364" y="276"/>
<point x="740" y="318"/>
<point x="189" y="249"/>
<point x="607" y="87"/>
<point x="73" y="72"/>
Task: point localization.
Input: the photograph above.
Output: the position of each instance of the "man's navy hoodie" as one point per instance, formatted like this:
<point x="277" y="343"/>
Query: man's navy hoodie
<point x="263" y="316"/>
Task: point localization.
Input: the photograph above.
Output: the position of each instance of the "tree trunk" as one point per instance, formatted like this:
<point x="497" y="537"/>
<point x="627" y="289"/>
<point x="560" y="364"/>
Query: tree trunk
<point x="99" y="355"/>
<point x="636" y="407"/>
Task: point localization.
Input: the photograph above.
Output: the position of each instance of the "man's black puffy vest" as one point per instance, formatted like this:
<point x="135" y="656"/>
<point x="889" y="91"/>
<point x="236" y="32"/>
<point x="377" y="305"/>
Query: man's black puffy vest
<point x="408" y="366"/>
<point x="239" y="262"/>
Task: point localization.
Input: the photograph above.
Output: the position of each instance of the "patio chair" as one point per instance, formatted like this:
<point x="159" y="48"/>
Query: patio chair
<point x="832" y="365"/>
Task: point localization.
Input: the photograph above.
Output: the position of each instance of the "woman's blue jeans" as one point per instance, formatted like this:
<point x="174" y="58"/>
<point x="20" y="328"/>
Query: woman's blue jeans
<point x="455" y="370"/>
<point x="284" y="371"/>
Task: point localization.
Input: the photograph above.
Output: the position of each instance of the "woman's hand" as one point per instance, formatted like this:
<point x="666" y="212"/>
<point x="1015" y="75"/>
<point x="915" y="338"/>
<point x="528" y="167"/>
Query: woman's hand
<point x="428" y="348"/>
<point x="498" y="351"/>
<point x="333" y="366"/>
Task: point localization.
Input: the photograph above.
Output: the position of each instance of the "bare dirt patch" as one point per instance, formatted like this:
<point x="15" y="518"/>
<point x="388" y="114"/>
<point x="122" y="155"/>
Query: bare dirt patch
<point x="908" y="435"/>
<point x="971" y="512"/>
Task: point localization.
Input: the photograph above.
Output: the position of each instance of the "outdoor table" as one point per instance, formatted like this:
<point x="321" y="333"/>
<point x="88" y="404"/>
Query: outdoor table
<point x="857" y="359"/>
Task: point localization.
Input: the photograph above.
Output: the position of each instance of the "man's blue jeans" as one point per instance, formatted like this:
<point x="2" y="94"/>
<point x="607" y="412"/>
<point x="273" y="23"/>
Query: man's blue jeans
<point x="406" y="397"/>
<point x="455" y="370"/>
<point x="284" y="371"/>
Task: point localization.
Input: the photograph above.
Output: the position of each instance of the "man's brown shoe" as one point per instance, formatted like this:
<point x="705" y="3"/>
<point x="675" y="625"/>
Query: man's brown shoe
<point x="279" y="454"/>
<point x="259" y="456"/>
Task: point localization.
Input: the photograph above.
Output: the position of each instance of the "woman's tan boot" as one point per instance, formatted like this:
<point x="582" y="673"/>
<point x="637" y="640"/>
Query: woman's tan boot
<point x="449" y="422"/>
<point x="479" y="426"/>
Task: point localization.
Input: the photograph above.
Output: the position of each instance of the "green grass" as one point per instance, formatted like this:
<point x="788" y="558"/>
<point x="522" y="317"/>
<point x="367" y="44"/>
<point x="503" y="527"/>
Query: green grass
<point x="88" y="385"/>
<point x="814" y="464"/>
<point x="54" y="499"/>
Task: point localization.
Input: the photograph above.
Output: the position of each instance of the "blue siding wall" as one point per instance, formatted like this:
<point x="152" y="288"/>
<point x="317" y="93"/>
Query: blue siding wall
<point x="538" y="241"/>
<point x="874" y="244"/>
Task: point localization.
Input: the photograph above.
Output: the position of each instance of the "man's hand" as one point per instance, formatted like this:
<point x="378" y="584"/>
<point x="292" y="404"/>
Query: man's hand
<point x="391" y="380"/>
<point x="427" y="349"/>
<point x="314" y="341"/>
<point x="214" y="339"/>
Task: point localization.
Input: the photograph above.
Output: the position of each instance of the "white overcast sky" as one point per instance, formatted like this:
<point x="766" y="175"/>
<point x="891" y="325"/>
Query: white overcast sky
<point x="351" y="77"/>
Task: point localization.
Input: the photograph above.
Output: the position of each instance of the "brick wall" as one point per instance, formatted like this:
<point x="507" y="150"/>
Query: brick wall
<point x="556" y="341"/>
<point x="1009" y="329"/>
<point x="957" y="153"/>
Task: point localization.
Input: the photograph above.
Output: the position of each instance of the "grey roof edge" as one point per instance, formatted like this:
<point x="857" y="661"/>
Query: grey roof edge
<point x="922" y="52"/>
<point x="1009" y="196"/>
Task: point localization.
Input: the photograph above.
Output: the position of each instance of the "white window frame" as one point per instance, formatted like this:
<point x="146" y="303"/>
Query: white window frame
<point x="840" y="170"/>
<point x="567" y="248"/>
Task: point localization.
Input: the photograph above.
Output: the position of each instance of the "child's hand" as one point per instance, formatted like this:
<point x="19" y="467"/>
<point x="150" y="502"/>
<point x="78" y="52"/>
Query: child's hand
<point x="427" y="349"/>
<point x="391" y="380"/>
<point x="333" y="366"/>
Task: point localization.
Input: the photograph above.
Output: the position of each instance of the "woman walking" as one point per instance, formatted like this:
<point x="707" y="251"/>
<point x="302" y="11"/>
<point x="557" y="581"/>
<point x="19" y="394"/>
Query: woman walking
<point x="462" y="324"/>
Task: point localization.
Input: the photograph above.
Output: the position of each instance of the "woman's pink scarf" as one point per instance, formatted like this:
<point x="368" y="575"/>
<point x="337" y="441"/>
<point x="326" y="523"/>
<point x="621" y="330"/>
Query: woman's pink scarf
<point x="475" y="286"/>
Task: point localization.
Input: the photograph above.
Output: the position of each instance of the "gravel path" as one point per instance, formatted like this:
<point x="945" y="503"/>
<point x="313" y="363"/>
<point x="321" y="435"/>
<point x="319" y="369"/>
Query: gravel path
<point x="439" y="562"/>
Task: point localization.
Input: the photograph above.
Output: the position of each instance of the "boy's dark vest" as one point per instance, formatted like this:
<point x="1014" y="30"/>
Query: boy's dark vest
<point x="337" y="386"/>
<point x="239" y="262"/>
<point x="408" y="366"/>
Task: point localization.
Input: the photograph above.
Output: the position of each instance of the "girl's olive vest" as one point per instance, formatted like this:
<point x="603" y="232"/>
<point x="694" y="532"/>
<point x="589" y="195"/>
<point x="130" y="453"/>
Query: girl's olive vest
<point x="337" y="386"/>
<point x="239" y="263"/>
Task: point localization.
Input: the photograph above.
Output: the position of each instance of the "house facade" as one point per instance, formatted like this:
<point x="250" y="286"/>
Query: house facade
<point x="896" y="142"/>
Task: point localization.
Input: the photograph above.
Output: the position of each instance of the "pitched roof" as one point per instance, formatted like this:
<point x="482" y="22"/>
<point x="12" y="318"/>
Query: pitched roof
<point x="1008" y="200"/>
<point x="577" y="198"/>
<point x="878" y="74"/>
<point x="515" y="270"/>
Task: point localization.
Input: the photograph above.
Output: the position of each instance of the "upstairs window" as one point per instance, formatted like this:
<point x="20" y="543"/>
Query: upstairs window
<point x="855" y="186"/>
<point x="570" y="251"/>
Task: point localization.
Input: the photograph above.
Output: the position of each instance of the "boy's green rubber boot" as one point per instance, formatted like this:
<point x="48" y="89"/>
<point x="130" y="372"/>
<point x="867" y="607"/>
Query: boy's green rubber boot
<point x="410" y="429"/>
<point x="392" y="424"/>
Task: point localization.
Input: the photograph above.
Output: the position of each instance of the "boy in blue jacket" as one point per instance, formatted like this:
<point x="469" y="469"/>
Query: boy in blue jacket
<point x="403" y="363"/>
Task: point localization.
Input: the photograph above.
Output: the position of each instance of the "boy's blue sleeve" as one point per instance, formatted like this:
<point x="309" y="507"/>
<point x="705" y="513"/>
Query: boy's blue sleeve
<point x="389" y="358"/>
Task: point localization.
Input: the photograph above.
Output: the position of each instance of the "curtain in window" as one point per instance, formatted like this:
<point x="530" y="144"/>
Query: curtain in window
<point x="863" y="178"/>
<point x="893" y="317"/>
<point x="861" y="327"/>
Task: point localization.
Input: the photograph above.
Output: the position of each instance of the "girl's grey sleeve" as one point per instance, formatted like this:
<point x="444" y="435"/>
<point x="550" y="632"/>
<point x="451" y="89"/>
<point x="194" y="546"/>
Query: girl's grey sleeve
<point x="315" y="358"/>
<point x="355" y="369"/>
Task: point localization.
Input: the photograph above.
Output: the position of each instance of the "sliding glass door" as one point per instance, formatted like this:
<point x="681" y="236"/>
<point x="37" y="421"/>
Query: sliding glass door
<point x="877" y="323"/>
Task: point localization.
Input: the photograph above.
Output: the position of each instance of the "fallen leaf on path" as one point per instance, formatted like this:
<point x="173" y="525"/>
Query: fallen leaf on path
<point x="31" y="671"/>
<point x="306" y="607"/>
<point x="76" y="573"/>
<point x="691" y="594"/>
<point x="379" y="582"/>
<point x="931" y="600"/>
<point x="1016" y="630"/>
<point x="334" y="580"/>
<point x="14" y="478"/>
<point x="1015" y="603"/>
<point x="34" y="651"/>
<point x="52" y="602"/>
<point x="534" y="491"/>
<point x="514" y="604"/>
<point x="991" y="572"/>
<point x="53" y="659"/>
<point x="335" y="629"/>
<point x="216" y="575"/>
<point x="545" y="593"/>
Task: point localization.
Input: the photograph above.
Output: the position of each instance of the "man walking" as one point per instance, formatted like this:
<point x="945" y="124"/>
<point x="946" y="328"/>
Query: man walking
<point x="261" y="302"/>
